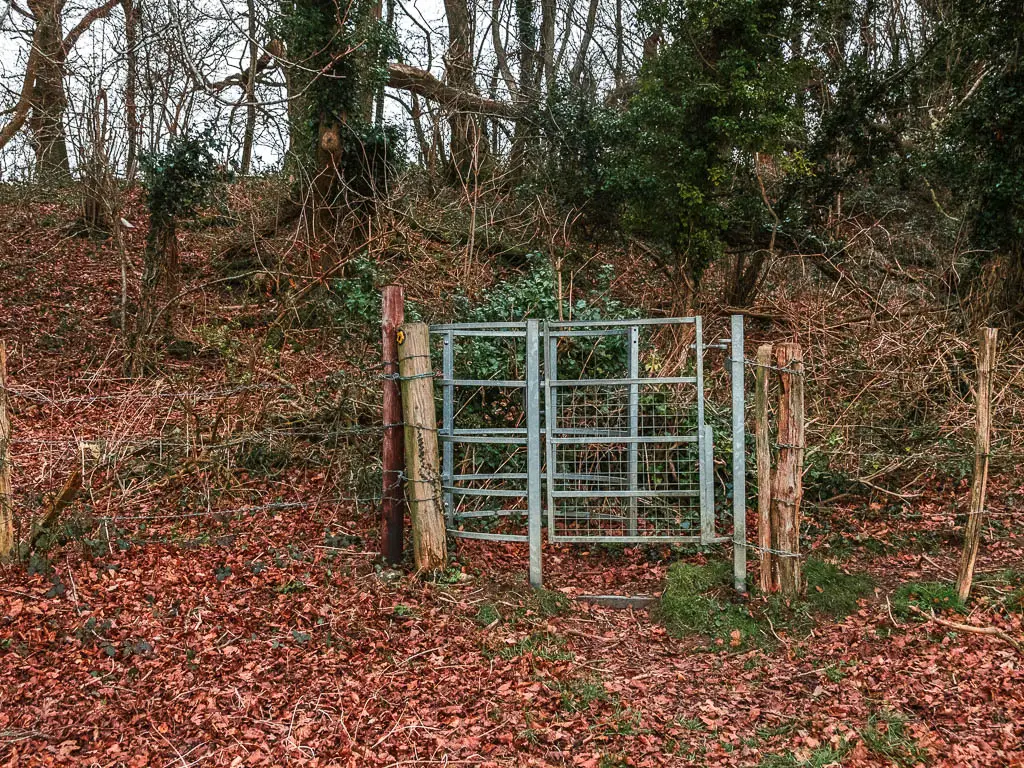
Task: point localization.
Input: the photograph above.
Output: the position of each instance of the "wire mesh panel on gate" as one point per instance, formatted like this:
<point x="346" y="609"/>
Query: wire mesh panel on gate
<point x="625" y="432"/>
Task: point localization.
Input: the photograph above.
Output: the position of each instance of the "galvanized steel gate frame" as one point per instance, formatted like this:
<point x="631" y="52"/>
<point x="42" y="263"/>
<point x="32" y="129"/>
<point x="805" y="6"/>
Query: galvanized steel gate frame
<point x="542" y="441"/>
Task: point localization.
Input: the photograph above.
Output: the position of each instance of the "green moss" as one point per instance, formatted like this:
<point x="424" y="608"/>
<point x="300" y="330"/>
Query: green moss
<point x="699" y="600"/>
<point x="550" y="603"/>
<point x="833" y="591"/>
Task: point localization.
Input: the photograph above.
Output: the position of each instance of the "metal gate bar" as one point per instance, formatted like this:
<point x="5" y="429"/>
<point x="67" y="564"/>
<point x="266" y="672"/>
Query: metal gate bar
<point x="512" y="486"/>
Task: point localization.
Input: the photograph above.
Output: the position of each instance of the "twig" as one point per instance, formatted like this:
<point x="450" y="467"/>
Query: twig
<point x="990" y="631"/>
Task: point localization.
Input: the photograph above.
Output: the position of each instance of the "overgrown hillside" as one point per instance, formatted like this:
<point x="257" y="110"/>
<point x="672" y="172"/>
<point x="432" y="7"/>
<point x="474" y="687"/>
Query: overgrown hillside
<point x="214" y="592"/>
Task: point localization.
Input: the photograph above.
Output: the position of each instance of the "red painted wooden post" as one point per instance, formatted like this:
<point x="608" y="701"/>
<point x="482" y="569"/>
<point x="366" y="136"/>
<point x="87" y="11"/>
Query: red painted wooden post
<point x="393" y="501"/>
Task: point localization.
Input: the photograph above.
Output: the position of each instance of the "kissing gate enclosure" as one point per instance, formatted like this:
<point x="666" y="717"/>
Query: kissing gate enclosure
<point x="589" y="429"/>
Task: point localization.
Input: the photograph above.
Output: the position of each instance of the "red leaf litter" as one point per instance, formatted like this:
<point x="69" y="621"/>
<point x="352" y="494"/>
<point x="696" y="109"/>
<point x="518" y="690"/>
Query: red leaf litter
<point x="313" y="656"/>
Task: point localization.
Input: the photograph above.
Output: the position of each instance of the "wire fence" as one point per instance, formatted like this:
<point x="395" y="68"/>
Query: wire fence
<point x="153" y="453"/>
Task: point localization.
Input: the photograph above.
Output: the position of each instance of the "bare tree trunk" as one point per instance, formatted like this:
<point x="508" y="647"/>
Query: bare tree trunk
<point x="982" y="446"/>
<point x="49" y="100"/>
<point x="620" y="46"/>
<point x="6" y="504"/>
<point x="787" y="485"/>
<point x="581" y="56"/>
<point x="250" y="91"/>
<point x="131" y="37"/>
<point x="467" y="142"/>
<point x="45" y="66"/>
<point x="547" y="45"/>
<point x="500" y="53"/>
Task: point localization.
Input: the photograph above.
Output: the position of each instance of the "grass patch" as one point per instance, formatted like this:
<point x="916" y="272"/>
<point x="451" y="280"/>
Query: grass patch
<point x="886" y="735"/>
<point x="695" y="602"/>
<point x="819" y="758"/>
<point x="550" y="603"/>
<point x="540" y="645"/>
<point x="699" y="600"/>
<point x="579" y="695"/>
<point x="1007" y="586"/>
<point x="926" y="596"/>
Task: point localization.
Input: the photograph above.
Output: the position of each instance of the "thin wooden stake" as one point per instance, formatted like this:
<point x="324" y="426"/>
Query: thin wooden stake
<point x="392" y="508"/>
<point x="51" y="512"/>
<point x="982" y="444"/>
<point x="764" y="467"/>
<point x="429" y="545"/>
<point x="787" y="486"/>
<point x="6" y="506"/>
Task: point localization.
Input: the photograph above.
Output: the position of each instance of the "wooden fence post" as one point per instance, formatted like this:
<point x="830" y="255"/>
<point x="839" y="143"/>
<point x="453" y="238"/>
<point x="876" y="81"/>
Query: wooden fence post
<point x="764" y="467"/>
<point x="787" y="487"/>
<point x="430" y="548"/>
<point x="982" y="443"/>
<point x="6" y="502"/>
<point x="392" y="507"/>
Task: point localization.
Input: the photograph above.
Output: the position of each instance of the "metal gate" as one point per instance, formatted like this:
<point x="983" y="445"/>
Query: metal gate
<point x="599" y="430"/>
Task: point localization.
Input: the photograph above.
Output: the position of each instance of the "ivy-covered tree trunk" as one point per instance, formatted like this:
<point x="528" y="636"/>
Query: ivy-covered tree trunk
<point x="523" y="138"/>
<point x="335" y="62"/>
<point x="178" y="182"/>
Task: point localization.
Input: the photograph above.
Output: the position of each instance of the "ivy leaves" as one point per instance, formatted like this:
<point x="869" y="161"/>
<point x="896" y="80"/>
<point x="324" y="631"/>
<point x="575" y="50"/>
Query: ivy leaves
<point x="179" y="180"/>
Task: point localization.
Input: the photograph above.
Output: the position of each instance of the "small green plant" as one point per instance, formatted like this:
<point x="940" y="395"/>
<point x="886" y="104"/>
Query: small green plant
<point x="266" y="459"/>
<point x="487" y="614"/>
<point x="782" y="729"/>
<point x="578" y="695"/>
<point x="291" y="587"/>
<point x="836" y="673"/>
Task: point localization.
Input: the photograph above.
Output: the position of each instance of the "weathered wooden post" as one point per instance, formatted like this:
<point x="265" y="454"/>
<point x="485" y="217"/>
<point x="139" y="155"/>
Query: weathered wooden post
<point x="787" y="487"/>
<point x="6" y="502"/>
<point x="392" y="507"/>
<point x="764" y="466"/>
<point x="429" y="545"/>
<point x="982" y="444"/>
